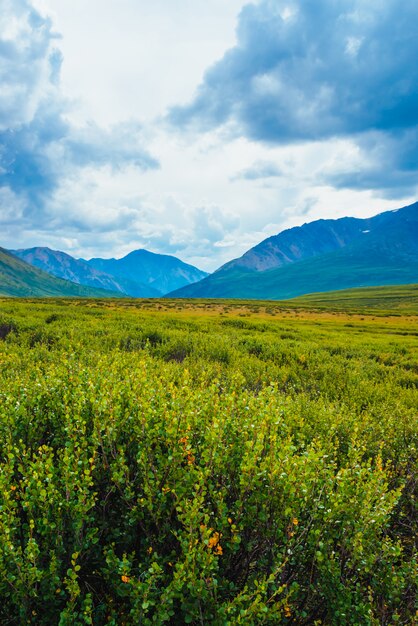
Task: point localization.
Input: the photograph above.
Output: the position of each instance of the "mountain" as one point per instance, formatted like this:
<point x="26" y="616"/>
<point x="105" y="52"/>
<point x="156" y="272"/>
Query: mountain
<point x="321" y="256"/>
<point x="161" y="272"/>
<point x="64" y="266"/>
<point x="140" y="274"/>
<point x="297" y="244"/>
<point x="19" y="279"/>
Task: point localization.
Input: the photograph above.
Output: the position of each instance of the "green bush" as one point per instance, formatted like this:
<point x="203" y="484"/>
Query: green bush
<point x="204" y="472"/>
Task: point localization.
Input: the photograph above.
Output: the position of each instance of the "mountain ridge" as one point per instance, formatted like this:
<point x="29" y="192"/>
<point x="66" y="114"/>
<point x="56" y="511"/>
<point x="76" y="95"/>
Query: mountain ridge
<point x="139" y="274"/>
<point x="379" y="250"/>
<point x="159" y="271"/>
<point x="65" y="266"/>
<point x="319" y="256"/>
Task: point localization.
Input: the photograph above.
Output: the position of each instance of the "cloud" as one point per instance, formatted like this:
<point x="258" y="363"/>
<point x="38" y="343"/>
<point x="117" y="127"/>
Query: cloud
<point x="94" y="187"/>
<point x="304" y="71"/>
<point x="211" y="223"/>
<point x="259" y="170"/>
<point x="386" y="161"/>
<point x="29" y="62"/>
<point x="118" y="146"/>
<point x="39" y="147"/>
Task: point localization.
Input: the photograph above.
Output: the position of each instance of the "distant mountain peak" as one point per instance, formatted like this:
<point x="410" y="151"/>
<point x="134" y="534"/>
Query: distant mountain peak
<point x="161" y="272"/>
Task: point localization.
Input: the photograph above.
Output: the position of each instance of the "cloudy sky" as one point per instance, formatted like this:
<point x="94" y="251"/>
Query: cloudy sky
<point x="200" y="127"/>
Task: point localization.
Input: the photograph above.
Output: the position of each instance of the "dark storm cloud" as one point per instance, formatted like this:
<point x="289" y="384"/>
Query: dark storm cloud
<point x="308" y="71"/>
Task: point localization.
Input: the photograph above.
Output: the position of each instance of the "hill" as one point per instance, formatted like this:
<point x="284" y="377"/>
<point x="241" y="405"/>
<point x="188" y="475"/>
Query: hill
<point x="398" y="299"/>
<point x="321" y="256"/>
<point x="19" y="279"/>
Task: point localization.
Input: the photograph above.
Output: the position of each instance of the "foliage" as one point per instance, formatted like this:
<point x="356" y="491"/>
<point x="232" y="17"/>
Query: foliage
<point x="170" y="463"/>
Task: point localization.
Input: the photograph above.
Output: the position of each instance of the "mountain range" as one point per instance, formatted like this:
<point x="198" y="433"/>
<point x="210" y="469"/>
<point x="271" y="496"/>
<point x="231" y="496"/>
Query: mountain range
<point x="323" y="255"/>
<point x="64" y="266"/>
<point x="320" y="256"/>
<point x="158" y="273"/>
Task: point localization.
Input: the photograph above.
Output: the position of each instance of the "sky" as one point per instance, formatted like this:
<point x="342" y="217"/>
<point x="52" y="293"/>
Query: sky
<point x="200" y="127"/>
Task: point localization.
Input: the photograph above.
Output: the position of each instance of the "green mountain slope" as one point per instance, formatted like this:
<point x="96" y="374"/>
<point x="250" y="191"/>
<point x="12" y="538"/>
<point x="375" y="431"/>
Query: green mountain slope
<point x="331" y="272"/>
<point x="384" y="254"/>
<point x="19" y="279"/>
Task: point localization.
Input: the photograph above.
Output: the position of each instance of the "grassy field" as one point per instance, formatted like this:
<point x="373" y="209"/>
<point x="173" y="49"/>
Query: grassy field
<point x="209" y="462"/>
<point x="398" y="299"/>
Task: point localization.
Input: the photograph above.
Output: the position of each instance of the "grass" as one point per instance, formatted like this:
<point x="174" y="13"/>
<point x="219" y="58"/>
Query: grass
<point x="382" y="300"/>
<point x="209" y="462"/>
<point x="385" y="300"/>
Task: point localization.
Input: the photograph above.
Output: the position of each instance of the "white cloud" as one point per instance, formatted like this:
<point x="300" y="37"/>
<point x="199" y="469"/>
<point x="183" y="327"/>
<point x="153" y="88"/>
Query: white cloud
<point x="84" y="149"/>
<point x="133" y="58"/>
<point x="27" y="60"/>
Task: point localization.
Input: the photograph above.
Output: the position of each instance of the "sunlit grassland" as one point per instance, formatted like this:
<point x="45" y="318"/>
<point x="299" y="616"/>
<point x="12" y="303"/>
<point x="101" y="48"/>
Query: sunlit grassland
<point x="209" y="462"/>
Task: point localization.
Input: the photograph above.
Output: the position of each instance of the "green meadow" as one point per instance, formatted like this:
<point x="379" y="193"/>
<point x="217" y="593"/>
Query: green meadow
<point x="209" y="462"/>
